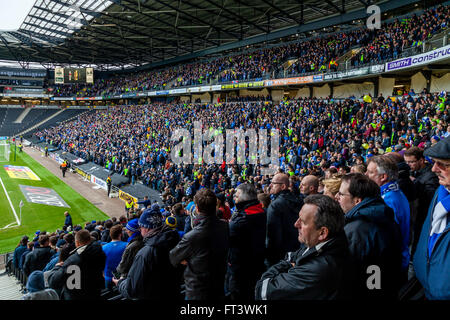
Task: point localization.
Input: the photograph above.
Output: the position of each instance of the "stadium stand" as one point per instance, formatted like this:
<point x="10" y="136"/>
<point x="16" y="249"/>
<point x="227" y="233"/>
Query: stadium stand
<point x="324" y="142"/>
<point x="317" y="55"/>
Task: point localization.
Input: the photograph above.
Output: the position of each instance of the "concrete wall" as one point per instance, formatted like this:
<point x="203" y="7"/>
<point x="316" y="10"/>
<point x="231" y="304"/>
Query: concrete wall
<point x="353" y="89"/>
<point x="439" y="84"/>
<point x="205" y="97"/>
<point x="386" y="85"/>
<point x="322" y="92"/>
<point x="302" y="93"/>
<point x="277" y="95"/>
<point x="258" y="93"/>
<point x="418" y="82"/>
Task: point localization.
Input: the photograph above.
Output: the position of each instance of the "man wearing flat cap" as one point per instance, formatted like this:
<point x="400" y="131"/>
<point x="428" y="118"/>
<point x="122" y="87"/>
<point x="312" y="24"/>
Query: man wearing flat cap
<point x="432" y="256"/>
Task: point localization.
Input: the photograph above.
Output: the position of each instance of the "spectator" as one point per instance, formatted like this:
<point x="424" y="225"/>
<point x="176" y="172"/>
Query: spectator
<point x="384" y="173"/>
<point x="204" y="251"/>
<point x="223" y="210"/>
<point x="281" y="216"/>
<point x="373" y="235"/>
<point x="264" y="199"/>
<point x="68" y="221"/>
<point x="431" y="259"/>
<point x="317" y="270"/>
<point x="135" y="243"/>
<point x="179" y="214"/>
<point x="90" y="259"/>
<point x="113" y="251"/>
<point x="358" y="168"/>
<point x="55" y="258"/>
<point x="151" y="276"/>
<point x="426" y="182"/>
<point x="309" y="185"/>
<point x="39" y="257"/>
<point x="247" y="243"/>
<point x="20" y="249"/>
<point x="106" y="235"/>
<point x="331" y="186"/>
<point x="30" y="246"/>
<point x="36" y="288"/>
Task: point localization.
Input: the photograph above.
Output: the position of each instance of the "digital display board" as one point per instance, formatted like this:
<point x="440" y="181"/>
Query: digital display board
<point x="74" y="75"/>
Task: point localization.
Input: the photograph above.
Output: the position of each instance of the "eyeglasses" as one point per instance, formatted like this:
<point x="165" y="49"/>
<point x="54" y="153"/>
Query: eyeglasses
<point x="343" y="194"/>
<point x="442" y="165"/>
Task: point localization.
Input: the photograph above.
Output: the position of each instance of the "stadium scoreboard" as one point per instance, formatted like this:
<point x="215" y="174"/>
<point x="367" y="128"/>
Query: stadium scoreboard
<point x="74" y="75"/>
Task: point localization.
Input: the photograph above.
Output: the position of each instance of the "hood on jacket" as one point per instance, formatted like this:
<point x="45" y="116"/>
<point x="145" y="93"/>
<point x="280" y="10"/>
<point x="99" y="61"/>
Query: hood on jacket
<point x="93" y="249"/>
<point x="250" y="207"/>
<point x="372" y="209"/>
<point x="165" y="237"/>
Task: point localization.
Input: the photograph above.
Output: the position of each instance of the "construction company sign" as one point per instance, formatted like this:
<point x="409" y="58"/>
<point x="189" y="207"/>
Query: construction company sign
<point x="421" y="59"/>
<point x="18" y="172"/>
<point x="43" y="196"/>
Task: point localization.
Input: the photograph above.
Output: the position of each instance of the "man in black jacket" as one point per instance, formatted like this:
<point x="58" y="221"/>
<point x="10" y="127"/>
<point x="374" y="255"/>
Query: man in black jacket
<point x="281" y="216"/>
<point x="204" y="251"/>
<point x="39" y="257"/>
<point x="105" y="233"/>
<point x="374" y="239"/>
<point x="151" y="275"/>
<point x="426" y="183"/>
<point x="247" y="243"/>
<point x="80" y="277"/>
<point x="317" y="270"/>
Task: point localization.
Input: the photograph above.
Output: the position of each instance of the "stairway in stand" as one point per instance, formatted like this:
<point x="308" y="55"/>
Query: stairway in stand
<point x="9" y="287"/>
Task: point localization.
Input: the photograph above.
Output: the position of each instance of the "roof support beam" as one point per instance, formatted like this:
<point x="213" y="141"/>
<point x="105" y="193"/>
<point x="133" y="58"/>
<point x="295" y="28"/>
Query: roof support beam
<point x="282" y="11"/>
<point x="236" y="17"/>
<point x="197" y="19"/>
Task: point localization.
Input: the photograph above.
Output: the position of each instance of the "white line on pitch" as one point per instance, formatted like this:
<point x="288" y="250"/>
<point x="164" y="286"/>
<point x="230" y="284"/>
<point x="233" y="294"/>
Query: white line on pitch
<point x="7" y="195"/>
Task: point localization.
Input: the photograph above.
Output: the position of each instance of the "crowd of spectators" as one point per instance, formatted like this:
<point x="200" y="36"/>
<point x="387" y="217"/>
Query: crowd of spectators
<point x="352" y="191"/>
<point x="318" y="55"/>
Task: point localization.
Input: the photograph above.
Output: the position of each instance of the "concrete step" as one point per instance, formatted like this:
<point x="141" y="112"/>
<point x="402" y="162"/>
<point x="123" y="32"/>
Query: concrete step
<point x="9" y="287"/>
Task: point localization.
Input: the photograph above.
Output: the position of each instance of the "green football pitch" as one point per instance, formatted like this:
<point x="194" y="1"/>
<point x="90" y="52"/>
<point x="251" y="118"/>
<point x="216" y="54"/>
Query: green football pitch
<point x="36" y="216"/>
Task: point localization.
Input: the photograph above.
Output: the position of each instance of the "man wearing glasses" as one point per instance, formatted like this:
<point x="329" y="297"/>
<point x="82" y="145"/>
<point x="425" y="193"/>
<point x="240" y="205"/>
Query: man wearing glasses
<point x="426" y="182"/>
<point x="373" y="236"/>
<point x="281" y="216"/>
<point x="432" y="257"/>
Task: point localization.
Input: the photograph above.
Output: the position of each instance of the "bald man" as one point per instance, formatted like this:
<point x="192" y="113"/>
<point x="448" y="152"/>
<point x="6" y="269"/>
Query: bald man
<point x="309" y="185"/>
<point x="282" y="236"/>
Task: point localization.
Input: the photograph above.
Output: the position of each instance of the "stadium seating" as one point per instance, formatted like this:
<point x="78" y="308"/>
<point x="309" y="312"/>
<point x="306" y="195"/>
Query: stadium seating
<point x="312" y="56"/>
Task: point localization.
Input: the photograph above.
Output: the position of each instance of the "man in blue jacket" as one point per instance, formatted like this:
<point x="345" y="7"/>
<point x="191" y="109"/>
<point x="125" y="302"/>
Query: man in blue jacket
<point x="432" y="259"/>
<point x="384" y="172"/>
<point x="68" y="220"/>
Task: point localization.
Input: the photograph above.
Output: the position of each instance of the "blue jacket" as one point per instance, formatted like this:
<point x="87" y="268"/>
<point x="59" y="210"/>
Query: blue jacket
<point x="113" y="251"/>
<point x="17" y="254"/>
<point x="68" y="221"/>
<point x="433" y="272"/>
<point x="397" y="201"/>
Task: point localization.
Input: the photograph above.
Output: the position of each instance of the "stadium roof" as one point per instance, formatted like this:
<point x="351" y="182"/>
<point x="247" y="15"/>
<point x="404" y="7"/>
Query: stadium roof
<point x="135" y="32"/>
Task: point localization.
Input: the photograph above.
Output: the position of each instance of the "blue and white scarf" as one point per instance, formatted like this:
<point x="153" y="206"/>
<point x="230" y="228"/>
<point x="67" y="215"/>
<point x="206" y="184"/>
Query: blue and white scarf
<point x="440" y="215"/>
<point x="388" y="187"/>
